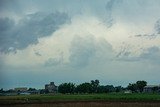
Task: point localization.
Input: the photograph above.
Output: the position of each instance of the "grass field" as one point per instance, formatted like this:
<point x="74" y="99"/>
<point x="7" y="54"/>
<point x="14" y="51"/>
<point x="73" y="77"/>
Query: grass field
<point x="114" y="97"/>
<point x="95" y="99"/>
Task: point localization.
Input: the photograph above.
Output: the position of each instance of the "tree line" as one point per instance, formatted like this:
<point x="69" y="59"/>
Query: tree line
<point x="91" y="87"/>
<point x="94" y="87"/>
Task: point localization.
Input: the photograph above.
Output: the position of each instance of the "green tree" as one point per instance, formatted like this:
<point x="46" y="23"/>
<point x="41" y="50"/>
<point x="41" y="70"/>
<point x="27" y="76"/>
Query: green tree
<point x="84" y="88"/>
<point x="1" y="90"/>
<point x="132" y="87"/>
<point x="118" y="88"/>
<point x="141" y="85"/>
<point x="95" y="85"/>
<point x="31" y="89"/>
<point x="66" y="88"/>
<point x="155" y="89"/>
<point x="110" y="88"/>
<point x="102" y="89"/>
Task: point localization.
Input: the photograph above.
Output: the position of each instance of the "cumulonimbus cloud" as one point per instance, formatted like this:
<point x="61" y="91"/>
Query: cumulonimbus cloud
<point x="29" y="29"/>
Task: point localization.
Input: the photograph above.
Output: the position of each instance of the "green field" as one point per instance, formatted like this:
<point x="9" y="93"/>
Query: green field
<point x="117" y="97"/>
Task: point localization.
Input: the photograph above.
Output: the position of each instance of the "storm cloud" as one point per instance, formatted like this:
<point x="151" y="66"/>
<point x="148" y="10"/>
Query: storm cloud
<point x="152" y="55"/>
<point x="74" y="40"/>
<point x="29" y="29"/>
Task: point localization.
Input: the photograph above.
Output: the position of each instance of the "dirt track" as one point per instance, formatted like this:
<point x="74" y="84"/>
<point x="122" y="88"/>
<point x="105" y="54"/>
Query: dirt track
<point x="85" y="104"/>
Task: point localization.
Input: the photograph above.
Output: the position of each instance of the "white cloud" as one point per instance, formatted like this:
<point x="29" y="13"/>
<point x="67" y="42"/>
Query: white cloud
<point x="120" y="36"/>
<point x="87" y="48"/>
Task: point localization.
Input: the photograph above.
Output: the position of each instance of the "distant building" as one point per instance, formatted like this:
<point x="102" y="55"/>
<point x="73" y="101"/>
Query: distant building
<point x="127" y="91"/>
<point x="20" y="89"/>
<point x="34" y="91"/>
<point x="52" y="88"/>
<point x="151" y="88"/>
<point x="24" y="93"/>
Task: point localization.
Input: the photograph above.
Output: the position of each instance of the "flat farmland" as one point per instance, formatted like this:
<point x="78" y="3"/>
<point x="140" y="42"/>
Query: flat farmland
<point x="82" y="100"/>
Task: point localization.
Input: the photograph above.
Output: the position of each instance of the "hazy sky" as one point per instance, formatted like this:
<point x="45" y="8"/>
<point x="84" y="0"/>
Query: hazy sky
<point x="115" y="41"/>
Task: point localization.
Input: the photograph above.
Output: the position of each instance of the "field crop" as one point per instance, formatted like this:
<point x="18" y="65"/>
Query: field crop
<point x="81" y="98"/>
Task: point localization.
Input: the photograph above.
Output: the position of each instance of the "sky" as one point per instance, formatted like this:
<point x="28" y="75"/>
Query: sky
<point x="114" y="41"/>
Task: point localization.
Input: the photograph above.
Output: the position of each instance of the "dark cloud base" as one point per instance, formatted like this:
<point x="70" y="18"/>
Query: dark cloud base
<point x="29" y="29"/>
